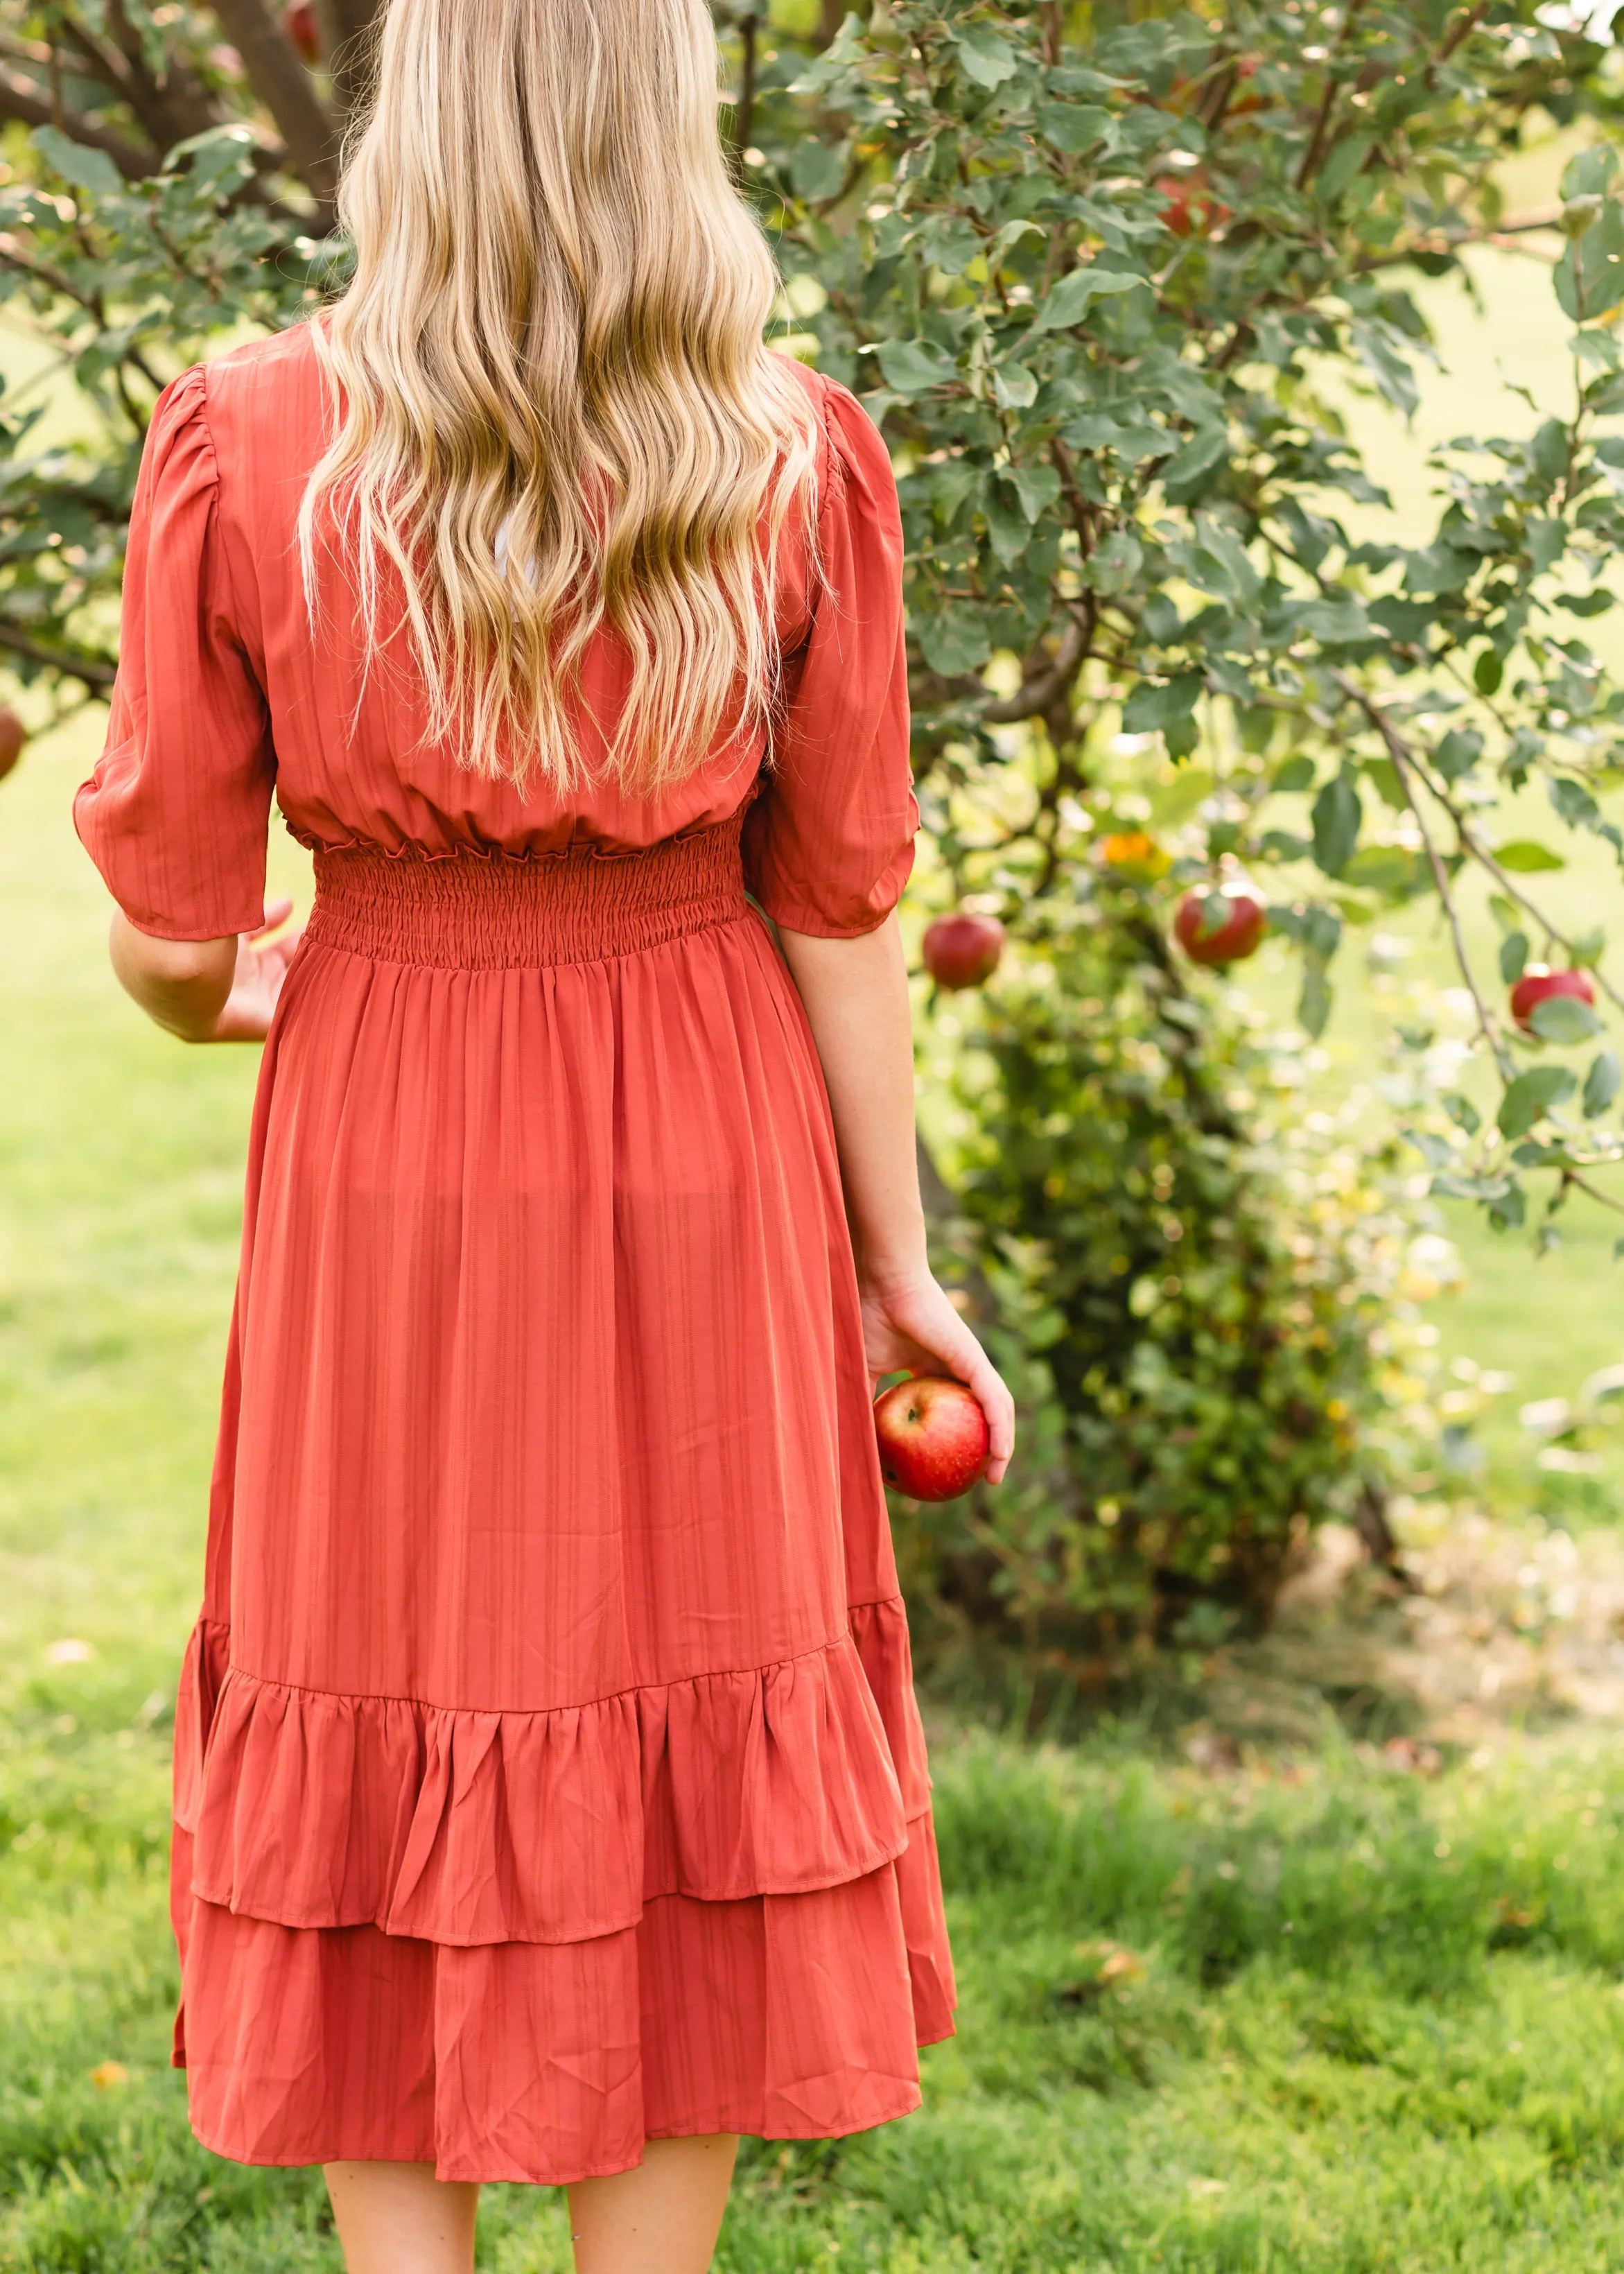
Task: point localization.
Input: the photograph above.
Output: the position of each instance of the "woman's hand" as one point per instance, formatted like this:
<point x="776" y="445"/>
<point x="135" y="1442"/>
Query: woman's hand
<point x="911" y="1323"/>
<point x="209" y="991"/>
<point x="256" y="983"/>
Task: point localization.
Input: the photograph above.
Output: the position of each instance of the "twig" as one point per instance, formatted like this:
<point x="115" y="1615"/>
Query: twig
<point x="90" y="671"/>
<point x="18" y="101"/>
<point x="1035" y="695"/>
<point x="1403" y="766"/>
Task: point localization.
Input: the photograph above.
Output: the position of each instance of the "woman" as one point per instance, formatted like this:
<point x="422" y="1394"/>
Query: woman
<point x="551" y="1798"/>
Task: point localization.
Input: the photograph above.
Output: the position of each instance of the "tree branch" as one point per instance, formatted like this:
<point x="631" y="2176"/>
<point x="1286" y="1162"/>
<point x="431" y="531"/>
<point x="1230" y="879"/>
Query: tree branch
<point x="1033" y="697"/>
<point x="1404" y="766"/>
<point x="18" y="99"/>
<point x="90" y="671"/>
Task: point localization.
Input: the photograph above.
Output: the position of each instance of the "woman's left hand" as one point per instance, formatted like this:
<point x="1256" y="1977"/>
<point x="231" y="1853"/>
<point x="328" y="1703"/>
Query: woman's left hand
<point x="910" y="1323"/>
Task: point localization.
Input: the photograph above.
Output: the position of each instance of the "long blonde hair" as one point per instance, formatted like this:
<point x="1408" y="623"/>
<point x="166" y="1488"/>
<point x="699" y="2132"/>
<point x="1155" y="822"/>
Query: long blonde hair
<point x="554" y="411"/>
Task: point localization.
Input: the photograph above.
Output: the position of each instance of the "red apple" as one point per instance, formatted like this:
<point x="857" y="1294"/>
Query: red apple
<point x="962" y="950"/>
<point x="933" y="1437"/>
<point x="1537" y="985"/>
<point x="299" y="22"/>
<point x="14" y="734"/>
<point x="1188" y="209"/>
<point x="1220" y="924"/>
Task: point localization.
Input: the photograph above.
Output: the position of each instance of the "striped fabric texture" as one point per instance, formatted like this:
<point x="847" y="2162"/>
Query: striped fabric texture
<point x="548" y="1775"/>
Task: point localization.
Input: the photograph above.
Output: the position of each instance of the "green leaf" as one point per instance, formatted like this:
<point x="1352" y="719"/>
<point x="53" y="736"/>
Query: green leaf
<point x="1073" y="297"/>
<point x="1487" y="673"/>
<point x="1297" y="773"/>
<point x="816" y="169"/>
<point x="1037" y="488"/>
<point x="1531" y="1096"/>
<point x="1549" y="449"/>
<point x="954" y="641"/>
<point x="1115" y="567"/>
<point x="1395" y="381"/>
<point x="77" y="162"/>
<point x="950" y="485"/>
<point x="1093" y="431"/>
<point x="1589" y="276"/>
<point x="1522" y="857"/>
<point x="986" y="58"/>
<point x="1513" y="956"/>
<point x="1458" y="753"/>
<point x="1150" y="706"/>
<point x="1075" y="128"/>
<point x="1601" y="1083"/>
<point x="1184" y="473"/>
<point x="1564" y="1020"/>
<point x="1389" y="784"/>
<point x="1343" y="166"/>
<point x="1013" y="386"/>
<point x="1313" y="1004"/>
<point x="1337" y="815"/>
<point x="1547" y="542"/>
<point x="1380" y="869"/>
<point x="914" y="366"/>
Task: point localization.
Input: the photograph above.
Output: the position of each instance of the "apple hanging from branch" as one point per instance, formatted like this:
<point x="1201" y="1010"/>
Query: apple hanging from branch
<point x="1539" y="984"/>
<point x="963" y="949"/>
<point x="14" y="734"/>
<point x="1218" y="924"/>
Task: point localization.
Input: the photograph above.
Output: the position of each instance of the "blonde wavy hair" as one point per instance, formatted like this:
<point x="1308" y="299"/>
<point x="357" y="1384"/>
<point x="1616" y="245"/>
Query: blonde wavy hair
<point x="554" y="412"/>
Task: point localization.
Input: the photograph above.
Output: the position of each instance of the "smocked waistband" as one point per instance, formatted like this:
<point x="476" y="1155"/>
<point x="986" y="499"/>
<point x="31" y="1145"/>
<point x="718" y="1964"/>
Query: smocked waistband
<point x="470" y="911"/>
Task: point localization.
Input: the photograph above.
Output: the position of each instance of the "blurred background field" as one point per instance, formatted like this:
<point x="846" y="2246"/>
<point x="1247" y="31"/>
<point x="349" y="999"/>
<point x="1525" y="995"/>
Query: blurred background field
<point x="1312" y="1958"/>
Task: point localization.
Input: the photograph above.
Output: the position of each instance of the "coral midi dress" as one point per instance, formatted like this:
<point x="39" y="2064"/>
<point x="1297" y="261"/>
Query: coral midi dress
<point x="548" y="1776"/>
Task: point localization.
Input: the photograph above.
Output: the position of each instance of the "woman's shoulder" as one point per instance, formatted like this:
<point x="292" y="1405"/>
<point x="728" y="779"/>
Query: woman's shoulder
<point x="851" y="445"/>
<point x="257" y="394"/>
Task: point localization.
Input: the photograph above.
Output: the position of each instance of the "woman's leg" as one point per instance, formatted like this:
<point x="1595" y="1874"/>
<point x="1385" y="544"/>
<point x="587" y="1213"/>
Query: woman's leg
<point x="398" y="2218"/>
<point x="662" y="2219"/>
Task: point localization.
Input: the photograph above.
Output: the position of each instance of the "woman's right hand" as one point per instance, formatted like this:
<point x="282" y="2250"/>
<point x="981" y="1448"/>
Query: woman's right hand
<point x="206" y="990"/>
<point x="911" y="1323"/>
<point x="257" y="981"/>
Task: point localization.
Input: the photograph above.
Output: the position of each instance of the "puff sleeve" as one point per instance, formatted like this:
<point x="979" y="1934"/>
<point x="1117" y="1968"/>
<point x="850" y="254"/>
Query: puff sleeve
<point x="176" y="814"/>
<point x="829" y="846"/>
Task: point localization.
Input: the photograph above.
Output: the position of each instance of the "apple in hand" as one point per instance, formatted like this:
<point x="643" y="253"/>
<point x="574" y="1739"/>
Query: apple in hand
<point x="299" y="22"/>
<point x="14" y="734"/>
<point x="933" y="1435"/>
<point x="1220" y="924"/>
<point x="961" y="950"/>
<point x="1539" y="984"/>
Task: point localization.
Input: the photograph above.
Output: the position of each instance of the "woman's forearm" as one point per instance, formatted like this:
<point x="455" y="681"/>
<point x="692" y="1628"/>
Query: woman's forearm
<point x="856" y="996"/>
<point x="181" y="984"/>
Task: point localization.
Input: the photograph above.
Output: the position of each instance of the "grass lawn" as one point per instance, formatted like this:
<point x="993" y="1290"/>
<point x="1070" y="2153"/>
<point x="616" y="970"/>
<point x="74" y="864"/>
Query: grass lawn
<point x="1310" y="2008"/>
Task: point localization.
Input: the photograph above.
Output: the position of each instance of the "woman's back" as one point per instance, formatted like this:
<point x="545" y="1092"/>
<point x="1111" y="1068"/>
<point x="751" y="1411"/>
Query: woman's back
<point x="215" y="600"/>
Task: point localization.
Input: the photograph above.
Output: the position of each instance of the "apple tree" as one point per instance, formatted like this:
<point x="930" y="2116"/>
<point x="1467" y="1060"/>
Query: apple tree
<point x="1101" y="272"/>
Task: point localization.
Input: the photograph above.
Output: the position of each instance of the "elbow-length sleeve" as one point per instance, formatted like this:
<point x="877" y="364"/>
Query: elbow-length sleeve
<point x="829" y="846"/>
<point x="176" y="814"/>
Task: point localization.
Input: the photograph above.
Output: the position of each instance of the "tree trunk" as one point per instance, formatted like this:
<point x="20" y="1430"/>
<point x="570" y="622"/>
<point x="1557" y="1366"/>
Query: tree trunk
<point x="278" y="77"/>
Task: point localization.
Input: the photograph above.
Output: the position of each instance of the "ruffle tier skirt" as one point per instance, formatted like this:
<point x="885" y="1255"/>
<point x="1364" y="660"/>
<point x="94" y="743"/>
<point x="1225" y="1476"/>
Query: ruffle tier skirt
<point x="548" y="1775"/>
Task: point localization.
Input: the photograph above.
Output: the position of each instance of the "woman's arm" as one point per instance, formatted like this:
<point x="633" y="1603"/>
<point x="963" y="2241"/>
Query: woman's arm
<point x="856" y="996"/>
<point x="210" y="990"/>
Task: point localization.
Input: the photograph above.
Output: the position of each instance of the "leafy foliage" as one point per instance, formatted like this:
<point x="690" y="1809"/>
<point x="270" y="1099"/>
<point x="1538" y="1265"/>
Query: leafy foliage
<point x="1208" y="1336"/>
<point x="1090" y="268"/>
